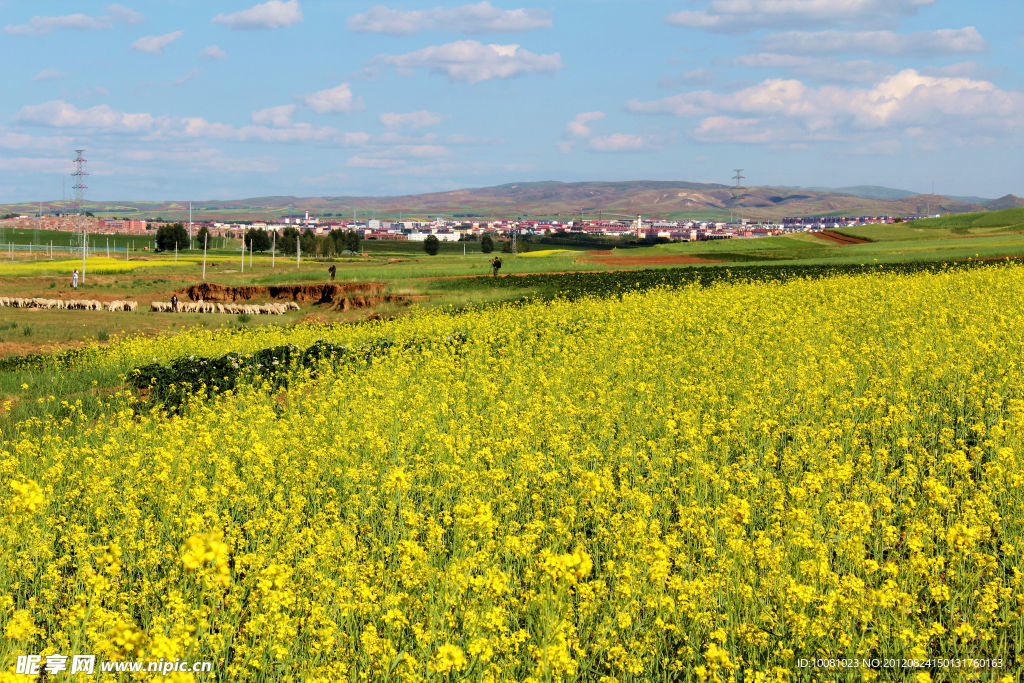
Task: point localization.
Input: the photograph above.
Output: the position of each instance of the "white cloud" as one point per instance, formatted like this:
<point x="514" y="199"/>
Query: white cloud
<point x="826" y="69"/>
<point x="49" y="75"/>
<point x="154" y="45"/>
<point x="778" y="109"/>
<point x="732" y="16"/>
<point x="198" y="127"/>
<point x="620" y="142"/>
<point x="472" y="62"/>
<point x="579" y="127"/>
<point x="39" y="26"/>
<point x="479" y="18"/>
<point x="336" y="100"/>
<point x="187" y="77"/>
<point x="924" y="43"/>
<point x="103" y="119"/>
<point x="125" y="15"/>
<point x="413" y="119"/>
<point x="275" y="116"/>
<point x="268" y="15"/>
<point x="213" y="52"/>
<point x="60" y="114"/>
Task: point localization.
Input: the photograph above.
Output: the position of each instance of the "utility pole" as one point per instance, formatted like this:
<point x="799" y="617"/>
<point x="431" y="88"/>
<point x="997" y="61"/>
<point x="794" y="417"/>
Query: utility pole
<point x="206" y="238"/>
<point x="273" y="249"/>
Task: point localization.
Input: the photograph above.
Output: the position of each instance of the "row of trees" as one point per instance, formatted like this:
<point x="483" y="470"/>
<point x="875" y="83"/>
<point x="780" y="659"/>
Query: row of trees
<point x="432" y="245"/>
<point x="175" y="236"/>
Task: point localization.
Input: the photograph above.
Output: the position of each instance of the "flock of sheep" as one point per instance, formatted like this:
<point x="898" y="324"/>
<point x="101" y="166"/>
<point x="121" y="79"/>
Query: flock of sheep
<point x="158" y="306"/>
<point x="68" y="304"/>
<point x="208" y="307"/>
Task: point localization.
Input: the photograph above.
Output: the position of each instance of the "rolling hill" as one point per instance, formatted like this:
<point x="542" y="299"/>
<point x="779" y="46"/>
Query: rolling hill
<point x="660" y="199"/>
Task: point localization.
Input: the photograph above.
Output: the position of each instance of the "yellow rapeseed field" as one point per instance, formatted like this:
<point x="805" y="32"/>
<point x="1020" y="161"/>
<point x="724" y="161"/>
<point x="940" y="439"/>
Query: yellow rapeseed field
<point x="693" y="484"/>
<point x="94" y="265"/>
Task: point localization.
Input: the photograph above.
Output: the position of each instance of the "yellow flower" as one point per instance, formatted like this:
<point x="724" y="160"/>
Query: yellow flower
<point x="20" y="626"/>
<point x="448" y="658"/>
<point x="28" y="496"/>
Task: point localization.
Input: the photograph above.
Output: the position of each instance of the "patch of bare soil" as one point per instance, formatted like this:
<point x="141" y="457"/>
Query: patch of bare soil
<point x="839" y="238"/>
<point x="676" y="259"/>
<point x="327" y="293"/>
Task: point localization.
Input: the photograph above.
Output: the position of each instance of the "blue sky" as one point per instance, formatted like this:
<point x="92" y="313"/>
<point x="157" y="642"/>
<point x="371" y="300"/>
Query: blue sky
<point x="181" y="99"/>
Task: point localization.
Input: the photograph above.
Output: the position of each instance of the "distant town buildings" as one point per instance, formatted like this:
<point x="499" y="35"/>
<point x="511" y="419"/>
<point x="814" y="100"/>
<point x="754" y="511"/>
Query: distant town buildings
<point x="453" y="230"/>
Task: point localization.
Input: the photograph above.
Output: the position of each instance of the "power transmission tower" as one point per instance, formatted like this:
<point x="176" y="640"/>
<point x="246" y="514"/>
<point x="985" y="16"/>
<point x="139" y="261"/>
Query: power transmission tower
<point x="79" y="175"/>
<point x="80" y="187"/>
<point x="739" y="177"/>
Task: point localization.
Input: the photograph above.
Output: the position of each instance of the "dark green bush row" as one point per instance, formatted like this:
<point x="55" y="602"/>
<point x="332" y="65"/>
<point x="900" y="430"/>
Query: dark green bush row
<point x="612" y="283"/>
<point x="173" y="384"/>
<point x="38" y="360"/>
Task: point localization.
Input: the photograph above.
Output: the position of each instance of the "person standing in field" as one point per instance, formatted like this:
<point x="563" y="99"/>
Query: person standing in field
<point x="332" y="270"/>
<point x="495" y="266"/>
<point x="174" y="303"/>
<point x="74" y="279"/>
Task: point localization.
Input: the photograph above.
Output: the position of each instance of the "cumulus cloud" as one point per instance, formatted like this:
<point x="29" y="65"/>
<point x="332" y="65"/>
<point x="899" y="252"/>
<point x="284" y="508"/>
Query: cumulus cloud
<point x="479" y="18"/>
<point x="579" y="127"/>
<point x="124" y="15"/>
<point x="154" y="45"/>
<point x="469" y="61"/>
<point x="413" y="119"/>
<point x="198" y="127"/>
<point x="336" y="100"/>
<point x="39" y="26"/>
<point x="270" y="125"/>
<point x="49" y="75"/>
<point x="735" y="16"/>
<point x="213" y="52"/>
<point x="620" y="142"/>
<point x="777" y="109"/>
<point x="268" y="15"/>
<point x="60" y="114"/>
<point x="924" y="43"/>
<point x="274" y="116"/>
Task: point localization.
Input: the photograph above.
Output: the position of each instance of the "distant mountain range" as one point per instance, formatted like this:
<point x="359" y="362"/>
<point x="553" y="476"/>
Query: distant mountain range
<point x="660" y="199"/>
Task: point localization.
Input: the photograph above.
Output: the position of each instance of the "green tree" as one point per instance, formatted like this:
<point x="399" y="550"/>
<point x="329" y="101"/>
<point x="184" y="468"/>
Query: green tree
<point x="486" y="244"/>
<point x="286" y="240"/>
<point x="432" y="245"/>
<point x="257" y="240"/>
<point x="308" y="241"/>
<point x="204" y="237"/>
<point x="169" y="236"/>
<point x="352" y="240"/>
<point x="336" y="238"/>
